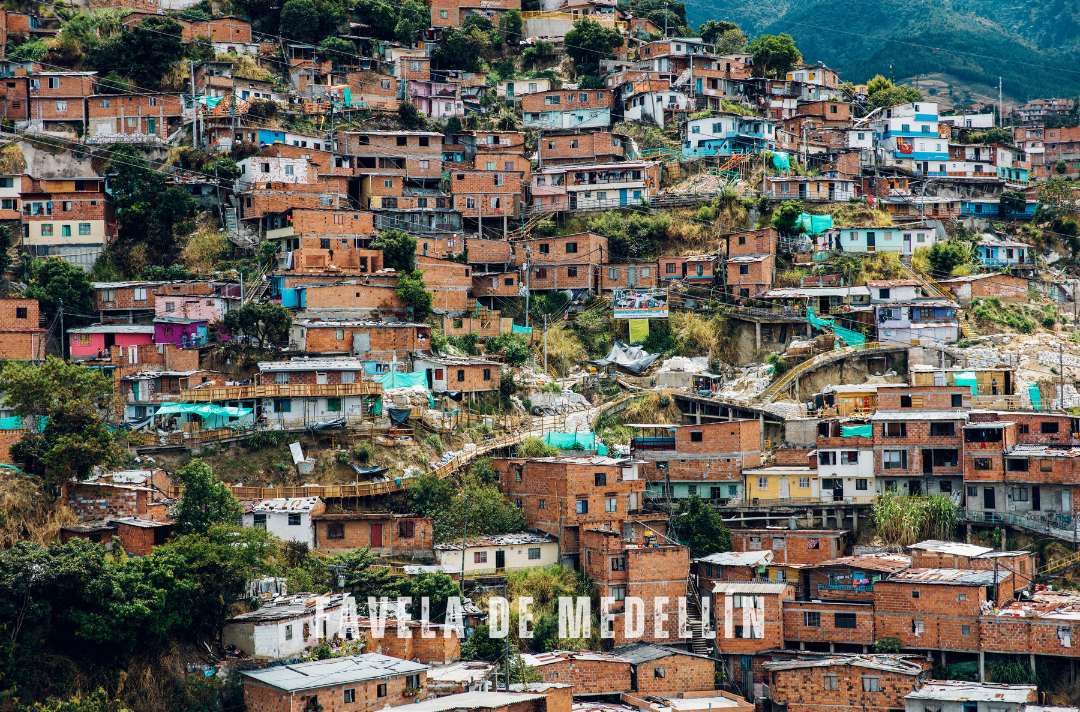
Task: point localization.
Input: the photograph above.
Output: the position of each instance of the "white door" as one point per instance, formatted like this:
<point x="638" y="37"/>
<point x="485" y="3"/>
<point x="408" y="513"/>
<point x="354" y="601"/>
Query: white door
<point x="813" y="487"/>
<point x="1066" y="501"/>
<point x="320" y="379"/>
<point x="785" y="488"/>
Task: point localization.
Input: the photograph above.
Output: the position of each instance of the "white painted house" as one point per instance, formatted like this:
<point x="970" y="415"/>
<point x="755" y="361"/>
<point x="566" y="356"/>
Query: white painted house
<point x="285" y="627"/>
<point x="287" y="519"/>
<point x="501" y="553"/>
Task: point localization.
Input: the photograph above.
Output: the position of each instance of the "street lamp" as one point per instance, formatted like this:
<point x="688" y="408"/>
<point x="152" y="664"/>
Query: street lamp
<point x="464" y="531"/>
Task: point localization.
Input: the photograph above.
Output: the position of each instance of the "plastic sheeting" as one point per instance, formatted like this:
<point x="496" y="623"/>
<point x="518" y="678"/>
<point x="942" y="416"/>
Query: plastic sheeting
<point x="1036" y="396"/>
<point x="398" y="415"/>
<point x="522" y="329"/>
<point x="566" y="441"/>
<point x="857" y="431"/>
<point x="394" y="379"/>
<point x="639" y="330"/>
<point x="214" y="416"/>
<point x="632" y="358"/>
<point x="968" y="378"/>
<point x="782" y="162"/>
<point x="815" y="224"/>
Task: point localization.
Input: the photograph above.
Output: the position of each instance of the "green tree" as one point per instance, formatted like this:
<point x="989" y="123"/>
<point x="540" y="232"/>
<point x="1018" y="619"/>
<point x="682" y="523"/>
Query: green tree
<point x="380" y="16"/>
<point x="268" y="323"/>
<point x="589" y="42"/>
<point x="489" y="511"/>
<point x="1061" y="167"/>
<point x="878" y="83"/>
<point x="54" y="281"/>
<point x="147" y="50"/>
<point x="363" y="575"/>
<point x="74" y="439"/>
<point x="946" y="256"/>
<point x="538" y="51"/>
<point x="894" y="96"/>
<point x="337" y="50"/>
<point x="1057" y="196"/>
<point x="411" y="118"/>
<point x="205" y="501"/>
<point x="225" y="170"/>
<point x="412" y="18"/>
<point x="30" y="51"/>
<point x="712" y="30"/>
<point x="774" y="54"/>
<point x="414" y="293"/>
<point x="1011" y="201"/>
<point x="5" y="246"/>
<point x="701" y="528"/>
<point x="398" y="248"/>
<point x="786" y="218"/>
<point x="481" y="646"/>
<point x="510" y="25"/>
<point x="151" y="212"/>
<point x="301" y="17"/>
<point x="436" y="586"/>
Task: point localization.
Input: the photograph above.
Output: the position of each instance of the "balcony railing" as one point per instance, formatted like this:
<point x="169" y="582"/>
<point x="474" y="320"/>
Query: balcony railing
<point x="276" y="390"/>
<point x="841" y="587"/>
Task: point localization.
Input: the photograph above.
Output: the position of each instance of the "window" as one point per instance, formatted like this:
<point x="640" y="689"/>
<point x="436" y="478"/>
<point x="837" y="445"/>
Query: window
<point x="265" y="167"/>
<point x="943" y="429"/>
<point x="696" y="436"/>
<point x="542" y="504"/>
<point x="582" y="506"/>
<point x="600" y="479"/>
<point x="871" y="684"/>
<point x="288" y="632"/>
<point x="896" y="430"/>
<point x="406" y="530"/>
<point x="380" y="690"/>
<point x="894" y="459"/>
<point x="571" y="271"/>
<point x="461" y="375"/>
<point x="1048" y="427"/>
<point x="743" y="269"/>
<point x="349" y="696"/>
<point x="487" y="374"/>
<point x="611" y="504"/>
<point x="618" y="593"/>
<point x="294" y="520"/>
<point x="965" y="630"/>
<point x="20" y="312"/>
<point x="335" y="530"/>
<point x="763" y="484"/>
<point x="811" y="619"/>
<point x="571" y="248"/>
<point x="46" y="229"/>
<point x="1020" y="494"/>
<point x="669" y="268"/>
<point x="861" y="485"/>
<point x="65" y="231"/>
<point x="804" y="483"/>
<point x="915" y="593"/>
<point x="61" y="106"/>
<point x="832" y="682"/>
<point x="844" y="620"/>
<point x="982" y="463"/>
<point x="479" y="557"/>
<point x="826" y="458"/>
<point x="618" y="563"/>
<point x="333" y="405"/>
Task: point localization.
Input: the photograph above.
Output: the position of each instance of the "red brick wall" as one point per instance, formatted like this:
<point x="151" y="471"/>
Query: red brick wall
<point x="753" y="242"/>
<point x="590" y="248"/>
<point x="681" y="673"/>
<point x="917" y="438"/>
<point x="480" y="187"/>
<point x="938" y="606"/>
<point x="449" y="282"/>
<point x="796" y="630"/>
<point x="622" y="278"/>
<point x="332" y="222"/>
<point x="322" y="337"/>
<point x="599" y="147"/>
<point x="470" y="377"/>
<point x="597" y="99"/>
<point x="358" y="534"/>
<point x="773" y="624"/>
<point x="933" y="397"/>
<point x="262" y="698"/>
<point x="801" y="688"/>
<point x="355" y="296"/>
<point x="136" y="541"/>
<point x="758" y="279"/>
<point x="796" y="544"/>
<point x="589" y="676"/>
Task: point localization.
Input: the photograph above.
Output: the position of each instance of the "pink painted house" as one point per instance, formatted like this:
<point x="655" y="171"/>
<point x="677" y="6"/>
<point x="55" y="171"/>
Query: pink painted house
<point x="206" y="308"/>
<point x="96" y="340"/>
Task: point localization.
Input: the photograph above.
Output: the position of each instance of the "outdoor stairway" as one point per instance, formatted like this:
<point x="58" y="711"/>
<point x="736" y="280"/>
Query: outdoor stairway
<point x="698" y="642"/>
<point x="1059" y="567"/>
<point x="526" y="228"/>
<point x="967" y="331"/>
<point x="258" y="286"/>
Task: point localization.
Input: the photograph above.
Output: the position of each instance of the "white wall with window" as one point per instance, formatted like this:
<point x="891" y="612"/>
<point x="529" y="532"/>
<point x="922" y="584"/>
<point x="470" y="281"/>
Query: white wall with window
<point x="509" y="552"/>
<point x="287" y="519"/>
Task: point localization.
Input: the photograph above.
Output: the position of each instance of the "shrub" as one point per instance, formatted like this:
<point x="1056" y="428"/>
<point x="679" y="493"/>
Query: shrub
<point x="362" y="452"/>
<point x="262" y="439"/>
<point x="535" y="447"/>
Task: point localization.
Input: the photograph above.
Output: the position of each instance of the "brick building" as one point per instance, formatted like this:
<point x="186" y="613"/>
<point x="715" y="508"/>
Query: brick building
<point x="918" y="451"/>
<point x="138" y="536"/>
<point x="635" y="561"/>
<point x="565" y="495"/>
<point x="693" y="269"/>
<point x="492" y="195"/>
<point x="749" y="620"/>
<point x="749" y="275"/>
<point x="660" y="670"/>
<point x="933" y="554"/>
<point x="71" y="218"/>
<point x="448" y="281"/>
<point x="439" y="649"/>
<point x="852" y="578"/>
<point x="138" y="494"/>
<point x="706" y="460"/>
<point x="752" y="242"/>
<point x="375" y="340"/>
<point x="132" y="117"/>
<point x="57" y="100"/>
<point x="451" y="13"/>
<point x="21" y="335"/>
<point x="792" y="546"/>
<point x="582" y="148"/>
<point x="850" y="682"/>
<point x="590" y="672"/>
<point x="387" y="534"/>
<point x="471" y="375"/>
<point x="360" y="683"/>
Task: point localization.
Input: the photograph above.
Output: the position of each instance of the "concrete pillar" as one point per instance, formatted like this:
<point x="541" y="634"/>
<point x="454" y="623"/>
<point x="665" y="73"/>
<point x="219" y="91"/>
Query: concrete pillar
<point x="802" y="646"/>
<point x="1031" y="659"/>
<point x="730" y="415"/>
<point x="761" y="428"/>
<point x="982" y="666"/>
<point x="854" y="520"/>
<point x="809" y="330"/>
<point x="832" y="647"/>
<point x="942" y="658"/>
<point x="757" y="333"/>
<point x="865" y="649"/>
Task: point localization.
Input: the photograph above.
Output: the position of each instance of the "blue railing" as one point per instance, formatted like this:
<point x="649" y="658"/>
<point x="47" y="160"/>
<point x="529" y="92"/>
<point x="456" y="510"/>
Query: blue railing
<point x="841" y="587"/>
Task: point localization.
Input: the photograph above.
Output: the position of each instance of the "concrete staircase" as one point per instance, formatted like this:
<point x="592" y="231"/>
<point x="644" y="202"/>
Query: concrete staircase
<point x="698" y="642"/>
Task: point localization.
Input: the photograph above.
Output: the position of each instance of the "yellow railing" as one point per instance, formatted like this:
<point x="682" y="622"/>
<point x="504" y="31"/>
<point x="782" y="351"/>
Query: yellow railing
<point x="573" y="17"/>
<point x="278" y="390"/>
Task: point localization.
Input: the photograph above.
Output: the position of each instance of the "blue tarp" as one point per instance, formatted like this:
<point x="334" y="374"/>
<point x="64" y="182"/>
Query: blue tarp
<point x="857" y="431"/>
<point x="968" y="378"/>
<point x="522" y="329"/>
<point x="1036" y="396"/>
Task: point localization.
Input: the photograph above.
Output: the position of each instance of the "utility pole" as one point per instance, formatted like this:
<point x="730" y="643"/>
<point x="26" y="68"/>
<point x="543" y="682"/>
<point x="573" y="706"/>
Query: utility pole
<point x="1000" y="117"/>
<point x="665" y="20"/>
<point x="527" y="290"/>
<point x="1061" y="374"/>
<point x="545" y="346"/>
<point x="464" y="531"/>
<point x="63" y="339"/>
<point x="194" y="109"/>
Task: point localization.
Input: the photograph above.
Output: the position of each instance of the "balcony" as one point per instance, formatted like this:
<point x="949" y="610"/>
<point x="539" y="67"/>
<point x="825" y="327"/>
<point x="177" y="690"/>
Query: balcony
<point x="841" y="587"/>
<point x="275" y="390"/>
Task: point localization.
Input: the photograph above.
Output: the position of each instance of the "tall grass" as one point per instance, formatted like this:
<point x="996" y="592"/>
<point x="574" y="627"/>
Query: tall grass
<point x="903" y="521"/>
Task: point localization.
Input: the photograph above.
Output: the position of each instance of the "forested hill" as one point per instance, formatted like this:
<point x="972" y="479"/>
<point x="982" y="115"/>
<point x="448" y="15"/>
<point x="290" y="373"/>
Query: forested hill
<point x="1032" y="45"/>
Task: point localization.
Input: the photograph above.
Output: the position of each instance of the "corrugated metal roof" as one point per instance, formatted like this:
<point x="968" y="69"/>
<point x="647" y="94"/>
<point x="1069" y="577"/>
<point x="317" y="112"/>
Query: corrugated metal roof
<point x="956" y="691"/>
<point x="919" y="415"/>
<point x="871" y="562"/>
<point x="950" y="577"/>
<point x="313" y="364"/>
<point x="739" y="558"/>
<point x="342" y="671"/>
<point x="639" y="653"/>
<point x="519" y="538"/>
<point x="740" y="587"/>
<point x="887" y="663"/>
<point x="954" y="548"/>
<point x="292" y="504"/>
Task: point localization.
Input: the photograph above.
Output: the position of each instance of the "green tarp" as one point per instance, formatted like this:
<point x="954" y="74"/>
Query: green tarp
<point x="396" y="379"/>
<point x="522" y="329"/>
<point x="849" y="337"/>
<point x="782" y="162"/>
<point x="213" y="416"/>
<point x="348" y="96"/>
<point x="815" y="224"/>
<point x="1035" y="395"/>
<point x="967" y="378"/>
<point x="857" y="431"/>
<point x="566" y="441"/>
<point x="15" y="423"/>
